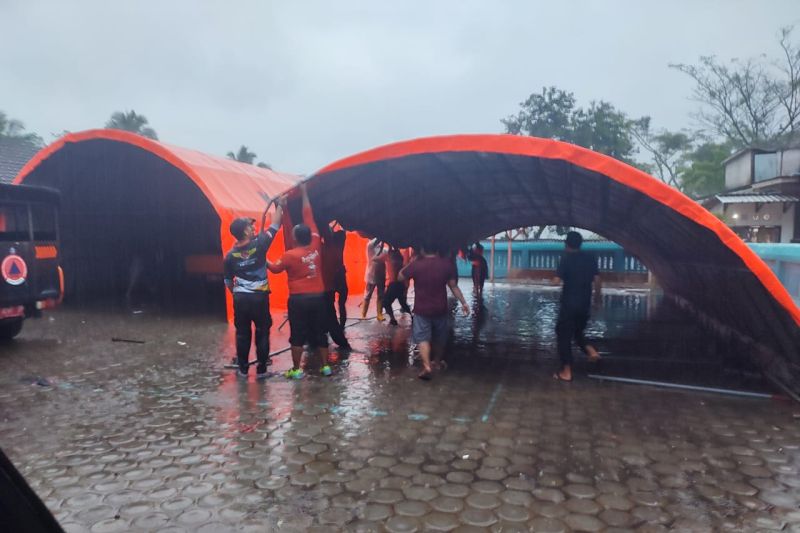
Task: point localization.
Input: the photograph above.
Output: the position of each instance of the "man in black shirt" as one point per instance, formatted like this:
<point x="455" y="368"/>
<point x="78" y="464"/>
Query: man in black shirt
<point x="245" y="275"/>
<point x="578" y="271"/>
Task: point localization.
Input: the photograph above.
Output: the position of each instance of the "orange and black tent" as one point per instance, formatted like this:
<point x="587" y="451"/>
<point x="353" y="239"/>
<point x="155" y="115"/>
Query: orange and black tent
<point x="457" y="189"/>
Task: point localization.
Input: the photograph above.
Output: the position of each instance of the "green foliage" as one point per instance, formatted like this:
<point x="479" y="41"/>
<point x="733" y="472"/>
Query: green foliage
<point x="687" y="161"/>
<point x="244" y="155"/>
<point x="604" y="129"/>
<point x="133" y="122"/>
<point x="668" y="151"/>
<point x="14" y="129"/>
<point x="548" y="115"/>
<point x="553" y="114"/>
<point x="705" y="174"/>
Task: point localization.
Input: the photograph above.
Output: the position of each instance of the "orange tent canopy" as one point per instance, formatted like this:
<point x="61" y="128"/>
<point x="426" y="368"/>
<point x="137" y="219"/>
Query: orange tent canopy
<point x="232" y="188"/>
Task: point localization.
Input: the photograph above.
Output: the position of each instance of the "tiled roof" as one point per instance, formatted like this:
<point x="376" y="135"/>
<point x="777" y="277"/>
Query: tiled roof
<point x="14" y="153"/>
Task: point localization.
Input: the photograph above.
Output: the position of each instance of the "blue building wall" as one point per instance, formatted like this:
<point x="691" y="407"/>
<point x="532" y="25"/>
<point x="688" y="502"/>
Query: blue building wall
<point x="544" y="255"/>
<point x="783" y="259"/>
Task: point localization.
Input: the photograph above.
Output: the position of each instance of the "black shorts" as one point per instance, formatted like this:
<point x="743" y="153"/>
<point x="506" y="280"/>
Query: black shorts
<point x="307" y="314"/>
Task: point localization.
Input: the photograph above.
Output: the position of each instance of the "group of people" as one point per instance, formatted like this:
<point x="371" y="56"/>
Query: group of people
<point x="314" y="264"/>
<point x="384" y="265"/>
<point x="311" y="287"/>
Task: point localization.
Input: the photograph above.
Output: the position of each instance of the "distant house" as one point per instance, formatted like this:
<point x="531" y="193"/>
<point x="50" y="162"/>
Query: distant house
<point x="14" y="153"/>
<point x="762" y="190"/>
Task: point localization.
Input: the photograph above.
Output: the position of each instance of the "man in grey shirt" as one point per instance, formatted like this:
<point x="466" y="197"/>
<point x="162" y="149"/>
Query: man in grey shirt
<point x="245" y="273"/>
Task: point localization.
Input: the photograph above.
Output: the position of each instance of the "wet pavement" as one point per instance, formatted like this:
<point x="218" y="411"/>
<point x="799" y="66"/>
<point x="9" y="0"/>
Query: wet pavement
<point x="157" y="436"/>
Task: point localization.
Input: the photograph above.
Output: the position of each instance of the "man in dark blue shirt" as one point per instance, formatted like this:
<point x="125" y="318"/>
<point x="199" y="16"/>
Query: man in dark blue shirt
<point x="578" y="271"/>
<point x="245" y="273"/>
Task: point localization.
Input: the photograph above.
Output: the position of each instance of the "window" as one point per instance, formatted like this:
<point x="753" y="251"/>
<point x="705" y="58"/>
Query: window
<point x="44" y="222"/>
<point x="765" y="166"/>
<point x="14" y="222"/>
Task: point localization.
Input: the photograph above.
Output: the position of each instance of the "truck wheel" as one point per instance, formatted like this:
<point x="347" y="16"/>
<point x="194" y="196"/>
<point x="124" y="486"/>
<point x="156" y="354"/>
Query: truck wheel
<point x="10" y="328"/>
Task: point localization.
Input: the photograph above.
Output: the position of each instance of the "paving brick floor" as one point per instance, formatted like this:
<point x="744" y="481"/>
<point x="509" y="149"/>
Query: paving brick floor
<point x="118" y="436"/>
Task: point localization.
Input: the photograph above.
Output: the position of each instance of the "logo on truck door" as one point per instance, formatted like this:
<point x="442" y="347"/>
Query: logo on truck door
<point x="14" y="270"/>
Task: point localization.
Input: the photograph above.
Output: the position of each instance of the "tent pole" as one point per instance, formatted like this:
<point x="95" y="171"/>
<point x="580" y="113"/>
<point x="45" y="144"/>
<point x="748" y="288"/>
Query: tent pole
<point x="491" y="262"/>
<point x="682" y="386"/>
<point x="508" y="263"/>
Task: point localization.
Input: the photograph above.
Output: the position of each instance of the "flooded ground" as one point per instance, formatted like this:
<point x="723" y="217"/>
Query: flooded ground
<point x="157" y="436"/>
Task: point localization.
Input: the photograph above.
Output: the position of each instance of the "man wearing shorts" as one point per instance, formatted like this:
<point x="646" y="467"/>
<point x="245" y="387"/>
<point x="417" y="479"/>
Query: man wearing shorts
<point x="307" y="304"/>
<point x="432" y="275"/>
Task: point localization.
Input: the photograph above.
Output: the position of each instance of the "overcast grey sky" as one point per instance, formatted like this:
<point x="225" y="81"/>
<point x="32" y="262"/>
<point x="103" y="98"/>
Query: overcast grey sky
<point x="306" y="83"/>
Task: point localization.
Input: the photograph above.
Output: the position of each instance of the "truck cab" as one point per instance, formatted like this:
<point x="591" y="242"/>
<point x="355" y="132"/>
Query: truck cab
<point x="30" y="277"/>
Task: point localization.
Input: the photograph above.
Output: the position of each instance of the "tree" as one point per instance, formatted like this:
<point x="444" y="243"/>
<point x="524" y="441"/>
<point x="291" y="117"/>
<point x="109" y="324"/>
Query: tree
<point x="553" y="114"/>
<point x="547" y="115"/>
<point x="750" y="101"/>
<point x="244" y="155"/>
<point x="668" y="151"/>
<point x="11" y="128"/>
<point x="688" y="161"/>
<point x="133" y="122"/>
<point x="604" y="129"/>
<point x="705" y="174"/>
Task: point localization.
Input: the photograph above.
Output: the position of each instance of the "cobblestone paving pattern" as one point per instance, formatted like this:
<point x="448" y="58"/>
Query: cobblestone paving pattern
<point x="158" y="437"/>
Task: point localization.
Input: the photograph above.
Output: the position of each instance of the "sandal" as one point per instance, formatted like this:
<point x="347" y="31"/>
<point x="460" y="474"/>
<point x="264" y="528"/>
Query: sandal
<point x="559" y="378"/>
<point x="425" y="375"/>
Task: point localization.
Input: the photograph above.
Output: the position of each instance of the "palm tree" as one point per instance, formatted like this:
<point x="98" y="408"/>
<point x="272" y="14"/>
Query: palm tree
<point x="131" y="121"/>
<point x="244" y="155"/>
<point x="11" y="128"/>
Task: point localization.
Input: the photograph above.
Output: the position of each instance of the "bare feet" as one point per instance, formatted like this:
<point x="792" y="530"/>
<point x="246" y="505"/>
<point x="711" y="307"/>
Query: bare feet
<point x="565" y="374"/>
<point x="591" y="354"/>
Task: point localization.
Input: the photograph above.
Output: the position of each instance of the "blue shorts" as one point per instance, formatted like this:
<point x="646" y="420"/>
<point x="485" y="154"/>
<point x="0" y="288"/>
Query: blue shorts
<point x="430" y="329"/>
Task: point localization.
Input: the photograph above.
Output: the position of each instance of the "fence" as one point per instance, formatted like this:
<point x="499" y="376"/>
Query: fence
<point x="783" y="259"/>
<point x="545" y="255"/>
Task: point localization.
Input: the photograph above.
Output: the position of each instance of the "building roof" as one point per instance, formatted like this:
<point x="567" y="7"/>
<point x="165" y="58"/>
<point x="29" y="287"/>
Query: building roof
<point x="14" y="153"/>
<point x="751" y="198"/>
<point x="791" y="143"/>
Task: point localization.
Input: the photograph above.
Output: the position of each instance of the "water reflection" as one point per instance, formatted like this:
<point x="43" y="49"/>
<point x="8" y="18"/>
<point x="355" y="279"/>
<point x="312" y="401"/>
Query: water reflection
<point x="639" y="335"/>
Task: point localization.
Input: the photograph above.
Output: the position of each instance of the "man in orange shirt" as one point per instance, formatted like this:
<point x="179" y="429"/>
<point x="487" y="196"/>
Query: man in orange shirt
<point x="307" y="304"/>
